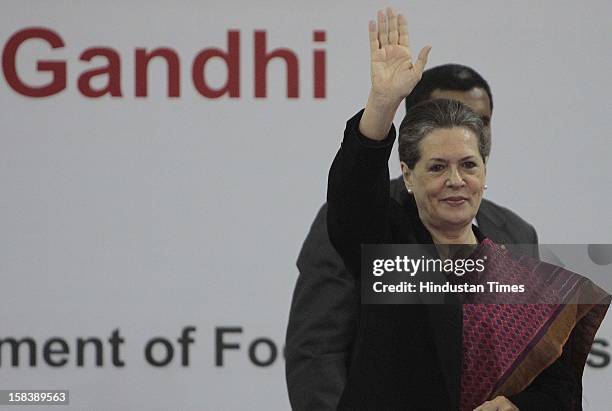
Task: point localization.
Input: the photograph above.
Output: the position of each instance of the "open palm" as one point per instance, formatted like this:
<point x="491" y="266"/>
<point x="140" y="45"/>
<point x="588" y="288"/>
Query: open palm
<point x="393" y="73"/>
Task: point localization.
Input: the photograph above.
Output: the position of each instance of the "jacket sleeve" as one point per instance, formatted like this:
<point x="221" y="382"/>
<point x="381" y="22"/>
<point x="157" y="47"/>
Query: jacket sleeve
<point x="358" y="193"/>
<point x="322" y="323"/>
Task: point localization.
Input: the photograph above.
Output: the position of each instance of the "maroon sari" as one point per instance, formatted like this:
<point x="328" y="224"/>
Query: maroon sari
<point x="508" y="340"/>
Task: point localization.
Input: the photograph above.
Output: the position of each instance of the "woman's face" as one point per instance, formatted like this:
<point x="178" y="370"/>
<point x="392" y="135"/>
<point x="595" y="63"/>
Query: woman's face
<point x="449" y="178"/>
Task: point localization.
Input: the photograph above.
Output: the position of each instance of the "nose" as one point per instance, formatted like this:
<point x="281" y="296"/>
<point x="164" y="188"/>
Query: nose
<point x="454" y="178"/>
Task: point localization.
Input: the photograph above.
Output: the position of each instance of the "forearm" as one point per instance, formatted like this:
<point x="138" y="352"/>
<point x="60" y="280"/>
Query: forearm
<point x="358" y="186"/>
<point x="358" y="192"/>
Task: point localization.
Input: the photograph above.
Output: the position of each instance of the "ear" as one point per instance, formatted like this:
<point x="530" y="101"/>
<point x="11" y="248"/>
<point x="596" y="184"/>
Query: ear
<point x="407" y="174"/>
<point x="484" y="179"/>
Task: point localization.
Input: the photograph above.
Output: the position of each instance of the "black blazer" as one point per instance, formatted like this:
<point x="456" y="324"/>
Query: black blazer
<point x="322" y="327"/>
<point x="323" y="316"/>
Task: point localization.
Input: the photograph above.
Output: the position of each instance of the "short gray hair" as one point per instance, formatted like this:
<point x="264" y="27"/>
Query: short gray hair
<point x="429" y="115"/>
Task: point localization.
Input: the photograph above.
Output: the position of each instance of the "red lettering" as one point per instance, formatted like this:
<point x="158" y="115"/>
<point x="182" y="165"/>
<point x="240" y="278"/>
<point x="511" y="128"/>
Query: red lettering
<point x="232" y="62"/>
<point x="112" y="70"/>
<point x="142" y="63"/>
<point x="111" y="84"/>
<point x="319" y="66"/>
<point x="262" y="58"/>
<point x="58" y="68"/>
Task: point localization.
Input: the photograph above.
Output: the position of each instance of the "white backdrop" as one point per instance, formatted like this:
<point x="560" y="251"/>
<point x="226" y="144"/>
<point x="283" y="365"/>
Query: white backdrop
<point x="151" y="214"/>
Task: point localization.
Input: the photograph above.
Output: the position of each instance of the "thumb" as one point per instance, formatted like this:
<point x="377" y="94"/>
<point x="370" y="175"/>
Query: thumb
<point x="422" y="60"/>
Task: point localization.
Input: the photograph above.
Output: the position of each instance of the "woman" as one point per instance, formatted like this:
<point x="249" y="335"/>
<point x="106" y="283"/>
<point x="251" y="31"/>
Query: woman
<point x="434" y="357"/>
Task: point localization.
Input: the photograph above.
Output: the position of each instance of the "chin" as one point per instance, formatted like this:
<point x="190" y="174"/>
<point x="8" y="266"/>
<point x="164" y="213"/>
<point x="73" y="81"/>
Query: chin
<point x="459" y="219"/>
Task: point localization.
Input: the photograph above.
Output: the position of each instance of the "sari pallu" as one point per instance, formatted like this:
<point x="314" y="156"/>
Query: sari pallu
<point x="509" y="339"/>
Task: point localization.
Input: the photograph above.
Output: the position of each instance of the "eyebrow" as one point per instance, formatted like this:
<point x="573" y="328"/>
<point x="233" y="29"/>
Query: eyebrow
<point x="444" y="161"/>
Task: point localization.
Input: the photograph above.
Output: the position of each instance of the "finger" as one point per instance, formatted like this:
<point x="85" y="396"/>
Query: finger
<point x="383" y="35"/>
<point x="373" y="33"/>
<point x="393" y="33"/>
<point x="403" y="31"/>
<point x="422" y="60"/>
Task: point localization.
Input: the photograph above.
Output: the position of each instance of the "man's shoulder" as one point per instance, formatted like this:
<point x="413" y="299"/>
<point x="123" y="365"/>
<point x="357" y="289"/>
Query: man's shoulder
<point x="498" y="221"/>
<point x="501" y="214"/>
<point x="319" y="224"/>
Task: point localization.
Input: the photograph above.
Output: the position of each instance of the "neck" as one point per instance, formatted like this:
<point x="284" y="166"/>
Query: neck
<point x="446" y="241"/>
<point x="457" y="235"/>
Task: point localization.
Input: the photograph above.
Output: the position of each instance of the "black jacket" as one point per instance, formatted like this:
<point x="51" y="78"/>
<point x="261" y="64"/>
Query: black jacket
<point x="323" y="319"/>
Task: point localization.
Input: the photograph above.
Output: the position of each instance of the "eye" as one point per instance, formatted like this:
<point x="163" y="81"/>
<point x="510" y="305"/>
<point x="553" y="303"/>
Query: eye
<point x="469" y="164"/>
<point x="436" y="167"/>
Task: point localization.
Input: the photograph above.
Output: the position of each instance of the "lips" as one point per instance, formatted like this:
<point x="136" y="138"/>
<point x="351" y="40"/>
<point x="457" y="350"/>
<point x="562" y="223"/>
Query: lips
<point x="455" y="201"/>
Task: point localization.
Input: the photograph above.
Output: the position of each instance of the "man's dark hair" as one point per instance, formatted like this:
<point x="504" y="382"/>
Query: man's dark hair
<point x="448" y="77"/>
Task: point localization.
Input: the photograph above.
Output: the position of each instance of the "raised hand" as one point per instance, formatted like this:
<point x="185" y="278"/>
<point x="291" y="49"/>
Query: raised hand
<point x="394" y="75"/>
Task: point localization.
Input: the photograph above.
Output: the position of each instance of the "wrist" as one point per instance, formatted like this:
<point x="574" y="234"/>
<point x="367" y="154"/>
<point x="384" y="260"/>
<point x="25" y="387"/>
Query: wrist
<point x="383" y="103"/>
<point x="378" y="116"/>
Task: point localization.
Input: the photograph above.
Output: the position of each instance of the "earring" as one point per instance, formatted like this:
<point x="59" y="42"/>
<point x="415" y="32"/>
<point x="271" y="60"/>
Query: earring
<point x="409" y="190"/>
<point x="485" y="187"/>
